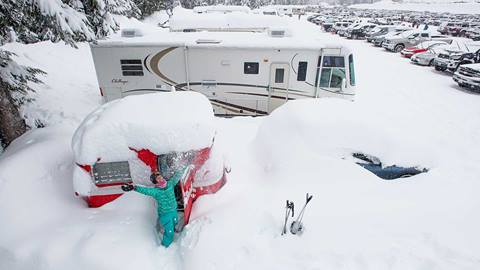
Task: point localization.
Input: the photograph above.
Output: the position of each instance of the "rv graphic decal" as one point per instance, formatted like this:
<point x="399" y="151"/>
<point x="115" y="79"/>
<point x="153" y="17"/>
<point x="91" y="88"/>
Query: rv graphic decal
<point x="154" y="65"/>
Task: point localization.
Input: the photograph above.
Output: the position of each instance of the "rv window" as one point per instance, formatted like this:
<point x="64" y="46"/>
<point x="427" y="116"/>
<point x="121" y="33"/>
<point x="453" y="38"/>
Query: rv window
<point x="279" y="75"/>
<point x="333" y="61"/>
<point x="338" y="74"/>
<point x="250" y="67"/>
<point x="302" y="71"/>
<point x="351" y="69"/>
<point x="131" y="67"/>
<point x="325" y="77"/>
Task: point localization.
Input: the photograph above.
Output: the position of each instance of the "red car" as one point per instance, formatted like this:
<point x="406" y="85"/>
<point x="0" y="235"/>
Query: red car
<point x="422" y="47"/>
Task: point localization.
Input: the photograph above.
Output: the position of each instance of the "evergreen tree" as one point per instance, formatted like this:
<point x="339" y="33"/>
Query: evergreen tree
<point x="14" y="81"/>
<point x="30" y="21"/>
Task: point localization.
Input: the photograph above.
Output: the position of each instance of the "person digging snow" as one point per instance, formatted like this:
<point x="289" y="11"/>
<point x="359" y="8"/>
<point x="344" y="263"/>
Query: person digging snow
<point x="164" y="194"/>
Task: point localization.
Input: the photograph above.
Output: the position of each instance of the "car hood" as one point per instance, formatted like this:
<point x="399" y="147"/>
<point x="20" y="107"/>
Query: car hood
<point x="473" y="66"/>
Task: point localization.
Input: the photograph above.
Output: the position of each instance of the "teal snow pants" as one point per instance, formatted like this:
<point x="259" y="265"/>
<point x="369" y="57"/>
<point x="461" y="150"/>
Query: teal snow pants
<point x="168" y="220"/>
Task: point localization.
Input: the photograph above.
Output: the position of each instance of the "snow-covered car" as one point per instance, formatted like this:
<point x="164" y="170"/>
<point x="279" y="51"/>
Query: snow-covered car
<point x="374" y="165"/>
<point x="359" y="31"/>
<point x="426" y="58"/>
<point x="411" y="38"/>
<point x="128" y="140"/>
<point x="340" y="26"/>
<point x="378" y="40"/>
<point x="422" y="47"/>
<point x="451" y="59"/>
<point x="378" y="31"/>
<point x="468" y="76"/>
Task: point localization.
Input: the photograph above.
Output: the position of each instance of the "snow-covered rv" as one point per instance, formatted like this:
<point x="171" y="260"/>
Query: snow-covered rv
<point x="242" y="73"/>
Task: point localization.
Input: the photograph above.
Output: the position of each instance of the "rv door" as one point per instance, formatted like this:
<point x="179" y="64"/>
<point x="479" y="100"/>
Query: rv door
<point x="278" y="87"/>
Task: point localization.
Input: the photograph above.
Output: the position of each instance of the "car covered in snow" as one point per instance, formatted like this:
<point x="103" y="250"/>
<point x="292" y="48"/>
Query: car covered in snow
<point x="340" y="26"/>
<point x="128" y="140"/>
<point x="427" y="58"/>
<point x="411" y="38"/>
<point x="451" y="59"/>
<point x="378" y="40"/>
<point x="422" y="47"/>
<point x="359" y="31"/>
<point x="468" y="76"/>
<point x="378" y="31"/>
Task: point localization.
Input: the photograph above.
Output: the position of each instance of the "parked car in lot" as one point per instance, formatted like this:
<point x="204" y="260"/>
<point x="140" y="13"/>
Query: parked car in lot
<point x="378" y="40"/>
<point x="422" y="47"/>
<point x="451" y="59"/>
<point x="339" y="26"/>
<point x="359" y="31"/>
<point x="409" y="39"/>
<point x="468" y="76"/>
<point x="427" y="58"/>
<point x="379" y="31"/>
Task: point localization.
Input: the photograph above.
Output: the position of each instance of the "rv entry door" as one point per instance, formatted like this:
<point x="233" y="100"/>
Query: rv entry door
<point x="278" y="87"/>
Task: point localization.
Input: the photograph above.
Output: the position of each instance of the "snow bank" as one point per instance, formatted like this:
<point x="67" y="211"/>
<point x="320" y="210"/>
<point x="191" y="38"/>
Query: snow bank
<point x="331" y="127"/>
<point x="163" y="122"/>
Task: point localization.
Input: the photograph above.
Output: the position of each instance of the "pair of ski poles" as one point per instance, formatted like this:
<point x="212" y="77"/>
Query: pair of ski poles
<point x="297" y="225"/>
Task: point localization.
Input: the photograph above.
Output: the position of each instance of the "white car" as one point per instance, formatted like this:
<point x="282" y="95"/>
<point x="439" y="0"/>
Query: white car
<point x="468" y="76"/>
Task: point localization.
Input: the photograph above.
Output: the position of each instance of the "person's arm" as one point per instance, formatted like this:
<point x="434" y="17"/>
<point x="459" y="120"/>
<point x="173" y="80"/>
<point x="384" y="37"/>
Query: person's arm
<point x="146" y="191"/>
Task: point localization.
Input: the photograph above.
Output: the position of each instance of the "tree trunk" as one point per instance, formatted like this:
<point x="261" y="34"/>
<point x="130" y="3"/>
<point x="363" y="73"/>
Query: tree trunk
<point x="12" y="124"/>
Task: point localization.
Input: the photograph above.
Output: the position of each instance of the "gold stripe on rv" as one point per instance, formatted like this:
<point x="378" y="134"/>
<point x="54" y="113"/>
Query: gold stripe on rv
<point x="154" y="64"/>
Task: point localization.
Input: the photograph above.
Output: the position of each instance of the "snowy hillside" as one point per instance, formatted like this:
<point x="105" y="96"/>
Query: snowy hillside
<point x="458" y="7"/>
<point x="403" y="114"/>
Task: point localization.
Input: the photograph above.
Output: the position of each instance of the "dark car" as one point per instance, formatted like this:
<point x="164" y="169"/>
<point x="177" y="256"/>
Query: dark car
<point x="374" y="165"/>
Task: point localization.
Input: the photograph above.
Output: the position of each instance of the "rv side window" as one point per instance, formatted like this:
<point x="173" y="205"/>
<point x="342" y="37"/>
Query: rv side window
<point x="250" y="68"/>
<point x="131" y="67"/>
<point x="351" y="69"/>
<point x="302" y="71"/>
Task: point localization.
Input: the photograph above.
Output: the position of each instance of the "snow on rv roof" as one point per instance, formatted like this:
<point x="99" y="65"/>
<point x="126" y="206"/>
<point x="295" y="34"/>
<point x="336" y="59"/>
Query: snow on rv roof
<point x="221" y="8"/>
<point x="185" y="19"/>
<point x="162" y="123"/>
<point x="297" y="34"/>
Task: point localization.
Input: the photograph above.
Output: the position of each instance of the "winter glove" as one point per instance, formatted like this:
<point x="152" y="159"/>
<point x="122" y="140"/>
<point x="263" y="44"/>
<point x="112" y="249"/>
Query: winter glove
<point x="128" y="188"/>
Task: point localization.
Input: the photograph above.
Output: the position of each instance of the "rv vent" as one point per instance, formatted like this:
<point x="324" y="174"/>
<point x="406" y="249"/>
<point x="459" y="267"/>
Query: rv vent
<point x="131" y="67"/>
<point x="277" y="33"/>
<point x="129" y="33"/>
<point x="208" y="41"/>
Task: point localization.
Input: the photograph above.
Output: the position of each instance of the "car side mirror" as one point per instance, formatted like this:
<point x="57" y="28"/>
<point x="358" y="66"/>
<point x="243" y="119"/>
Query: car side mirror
<point x="344" y="85"/>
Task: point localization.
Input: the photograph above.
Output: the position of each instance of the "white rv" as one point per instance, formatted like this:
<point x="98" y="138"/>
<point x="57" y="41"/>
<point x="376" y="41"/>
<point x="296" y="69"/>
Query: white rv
<point x="242" y="73"/>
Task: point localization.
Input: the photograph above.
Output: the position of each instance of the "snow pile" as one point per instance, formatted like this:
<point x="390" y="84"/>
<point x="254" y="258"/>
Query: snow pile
<point x="162" y="123"/>
<point x="335" y="128"/>
<point x="450" y="6"/>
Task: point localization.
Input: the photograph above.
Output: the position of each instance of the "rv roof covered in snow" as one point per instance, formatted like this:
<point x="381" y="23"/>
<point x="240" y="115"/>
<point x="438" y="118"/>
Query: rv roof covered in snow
<point x="221" y="9"/>
<point x="228" y="40"/>
<point x="186" y="20"/>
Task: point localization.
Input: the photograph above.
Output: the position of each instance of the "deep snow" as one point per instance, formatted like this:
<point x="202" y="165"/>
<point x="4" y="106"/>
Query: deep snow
<point x="404" y="114"/>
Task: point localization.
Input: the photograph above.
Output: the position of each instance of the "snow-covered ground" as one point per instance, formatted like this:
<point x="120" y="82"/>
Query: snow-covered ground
<point x="456" y="7"/>
<point x="404" y="114"/>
